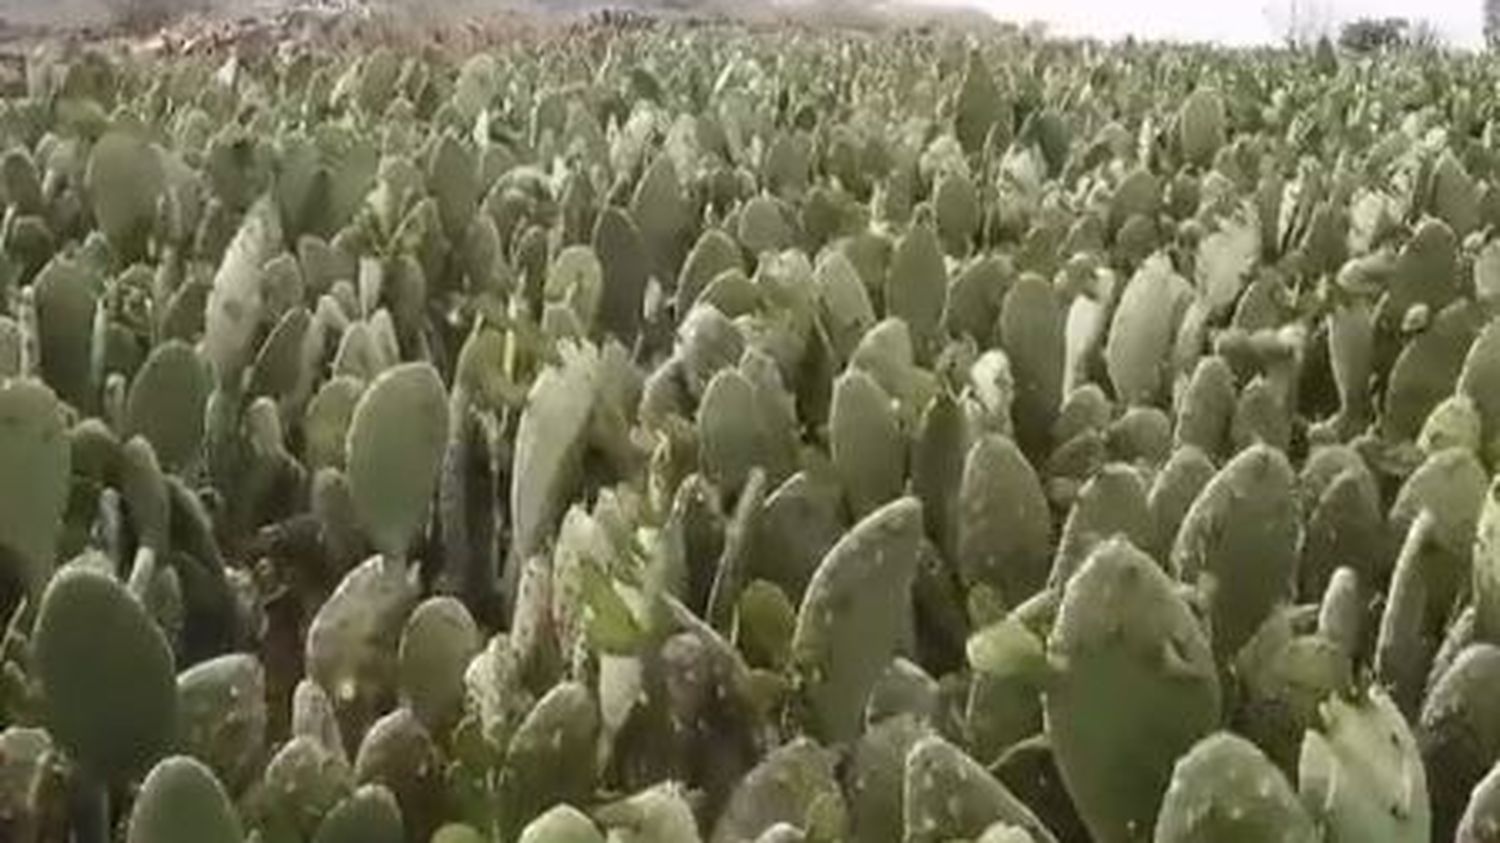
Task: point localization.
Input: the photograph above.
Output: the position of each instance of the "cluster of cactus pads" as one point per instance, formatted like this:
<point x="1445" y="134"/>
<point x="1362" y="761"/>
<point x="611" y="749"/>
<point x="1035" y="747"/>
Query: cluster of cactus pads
<point x="688" y="434"/>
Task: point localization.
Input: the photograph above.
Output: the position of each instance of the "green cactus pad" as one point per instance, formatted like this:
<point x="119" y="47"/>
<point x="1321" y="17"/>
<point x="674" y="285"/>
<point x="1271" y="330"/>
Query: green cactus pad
<point x="1123" y="633"/>
<point x="1141" y="334"/>
<point x="439" y="640"/>
<point x="866" y="442"/>
<point x="166" y="404"/>
<point x="561" y="824"/>
<point x="181" y="801"/>
<point x="398" y="754"/>
<point x="1361" y="775"/>
<point x="1239" y="541"/>
<point x="352" y="640"/>
<point x="107" y="674"/>
<point x="1031" y="332"/>
<point x="846" y="630"/>
<point x="223" y="716"/>
<point x="1004" y="524"/>
<point x="948" y="795"/>
<point x="549" y="448"/>
<point x="368" y="815"/>
<point x="397" y="437"/>
<point x="551" y="756"/>
<point x="1225" y="789"/>
<point x="34" y="446"/>
<point x="785" y="786"/>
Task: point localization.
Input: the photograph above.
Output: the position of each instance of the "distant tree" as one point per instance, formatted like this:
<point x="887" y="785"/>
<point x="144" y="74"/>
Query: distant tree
<point x="1368" y="35"/>
<point x="1492" y="23"/>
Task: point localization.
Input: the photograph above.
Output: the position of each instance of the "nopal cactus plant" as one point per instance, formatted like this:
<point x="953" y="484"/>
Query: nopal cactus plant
<point x="1121" y="625"/>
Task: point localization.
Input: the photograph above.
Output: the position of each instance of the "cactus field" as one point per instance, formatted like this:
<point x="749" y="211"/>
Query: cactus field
<point x="657" y="431"/>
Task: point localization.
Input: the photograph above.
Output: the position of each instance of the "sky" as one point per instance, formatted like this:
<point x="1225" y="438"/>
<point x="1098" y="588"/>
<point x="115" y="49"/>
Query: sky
<point x="1228" y="21"/>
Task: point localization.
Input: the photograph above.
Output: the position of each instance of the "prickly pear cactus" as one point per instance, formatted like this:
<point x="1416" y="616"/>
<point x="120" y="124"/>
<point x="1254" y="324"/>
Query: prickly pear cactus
<point x="549" y="448"/>
<point x="124" y="180"/>
<point x="1201" y="129"/>
<point x="1141" y="334"/>
<point x="1031" y="332"/>
<point x="1135" y="687"/>
<point x="181" y="801"/>
<point x="786" y="787"/>
<point x="233" y="311"/>
<point x="223" y="716"/>
<point x="848" y="629"/>
<point x="1003" y="525"/>
<point x="439" y="640"/>
<point x="106" y="671"/>
<point x="1457" y="732"/>
<point x="551" y="756"/>
<point x="1225" y="789"/>
<point x="397" y="437"/>
<point x="352" y="641"/>
<point x="1361" y="775"/>
<point x="1481" y="819"/>
<point x="561" y="824"/>
<point x="368" y="815"/>
<point x="949" y="795"/>
<point x="33" y="445"/>
<point x="1238" y="543"/>
<point x="866" y="442"/>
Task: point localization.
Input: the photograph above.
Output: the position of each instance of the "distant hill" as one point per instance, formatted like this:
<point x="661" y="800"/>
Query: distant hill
<point x="70" y="13"/>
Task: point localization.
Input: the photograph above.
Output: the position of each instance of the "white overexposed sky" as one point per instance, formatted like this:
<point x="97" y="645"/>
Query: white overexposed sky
<point x="1239" y="22"/>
